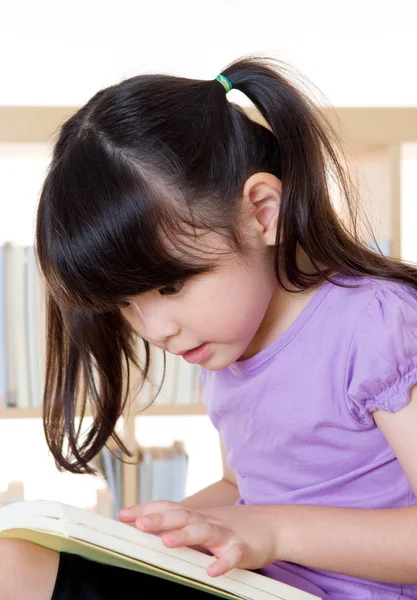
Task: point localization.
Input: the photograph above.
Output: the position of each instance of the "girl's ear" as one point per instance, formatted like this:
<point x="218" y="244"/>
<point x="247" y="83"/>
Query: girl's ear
<point x="263" y="193"/>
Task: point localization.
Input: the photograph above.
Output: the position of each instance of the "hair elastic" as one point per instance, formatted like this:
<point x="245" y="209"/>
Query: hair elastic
<point x="225" y="82"/>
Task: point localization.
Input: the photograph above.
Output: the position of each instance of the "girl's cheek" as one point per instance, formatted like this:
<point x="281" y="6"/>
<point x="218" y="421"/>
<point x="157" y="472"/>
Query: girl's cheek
<point x="132" y="318"/>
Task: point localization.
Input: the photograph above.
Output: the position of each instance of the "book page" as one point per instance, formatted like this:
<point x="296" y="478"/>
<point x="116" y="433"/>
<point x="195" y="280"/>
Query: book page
<point x="109" y="557"/>
<point x="72" y="522"/>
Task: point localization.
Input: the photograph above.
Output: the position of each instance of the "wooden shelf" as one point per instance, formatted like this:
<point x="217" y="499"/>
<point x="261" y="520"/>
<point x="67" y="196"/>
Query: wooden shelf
<point x="171" y="410"/>
<point x="154" y="410"/>
<point x="20" y="413"/>
<point x="370" y="125"/>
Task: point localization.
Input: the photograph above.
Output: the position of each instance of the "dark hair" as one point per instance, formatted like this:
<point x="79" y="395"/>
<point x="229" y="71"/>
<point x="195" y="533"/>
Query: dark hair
<point x="135" y="173"/>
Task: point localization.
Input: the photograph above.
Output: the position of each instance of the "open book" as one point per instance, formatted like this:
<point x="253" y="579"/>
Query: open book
<point x="66" y="528"/>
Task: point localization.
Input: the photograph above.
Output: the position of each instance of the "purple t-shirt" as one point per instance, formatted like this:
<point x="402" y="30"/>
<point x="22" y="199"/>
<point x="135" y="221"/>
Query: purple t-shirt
<point x="297" y="421"/>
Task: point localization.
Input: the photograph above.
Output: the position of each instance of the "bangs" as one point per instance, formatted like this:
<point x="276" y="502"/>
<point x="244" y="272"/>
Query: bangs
<point x="105" y="232"/>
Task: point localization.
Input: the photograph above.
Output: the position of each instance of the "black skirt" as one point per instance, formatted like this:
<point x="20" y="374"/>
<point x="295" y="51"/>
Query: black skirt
<point x="82" y="579"/>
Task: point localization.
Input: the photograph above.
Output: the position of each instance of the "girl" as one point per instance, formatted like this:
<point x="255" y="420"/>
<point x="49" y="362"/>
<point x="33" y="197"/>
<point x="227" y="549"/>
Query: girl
<point x="168" y="214"/>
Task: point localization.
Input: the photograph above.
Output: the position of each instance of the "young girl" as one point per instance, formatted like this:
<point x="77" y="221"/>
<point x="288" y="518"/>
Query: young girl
<point x="168" y="214"/>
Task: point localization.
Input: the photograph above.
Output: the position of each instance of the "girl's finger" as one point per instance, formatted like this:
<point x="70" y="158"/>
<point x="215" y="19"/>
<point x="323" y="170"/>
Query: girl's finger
<point x="231" y="559"/>
<point x="131" y="513"/>
<point x="197" y="534"/>
<point x="166" y="521"/>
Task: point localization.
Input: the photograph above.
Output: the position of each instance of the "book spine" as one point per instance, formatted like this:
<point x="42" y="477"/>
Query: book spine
<point x="164" y="396"/>
<point x="118" y="471"/>
<point x="109" y="473"/>
<point x="40" y="318"/>
<point x="184" y="383"/>
<point x="35" y="322"/>
<point x="170" y="474"/>
<point x="11" y="398"/>
<point x="171" y="377"/>
<point x="181" y="469"/>
<point x="156" y="374"/>
<point x="20" y="356"/>
<point x="145" y="476"/>
<point x="3" y="325"/>
<point x="157" y="475"/>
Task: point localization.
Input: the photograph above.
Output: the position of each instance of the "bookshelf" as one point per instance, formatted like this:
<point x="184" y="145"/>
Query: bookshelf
<point x="22" y="358"/>
<point x="374" y="134"/>
<point x="127" y="434"/>
<point x="180" y="395"/>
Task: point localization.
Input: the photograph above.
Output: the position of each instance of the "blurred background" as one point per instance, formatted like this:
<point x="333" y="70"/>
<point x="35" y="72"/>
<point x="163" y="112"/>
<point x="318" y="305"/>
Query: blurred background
<point x="56" y="55"/>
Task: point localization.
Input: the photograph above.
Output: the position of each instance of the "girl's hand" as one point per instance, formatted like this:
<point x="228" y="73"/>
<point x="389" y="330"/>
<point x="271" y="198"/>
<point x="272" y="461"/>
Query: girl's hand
<point x="238" y="536"/>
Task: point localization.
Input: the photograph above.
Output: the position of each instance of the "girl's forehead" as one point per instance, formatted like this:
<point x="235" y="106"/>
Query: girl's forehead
<point x="200" y="246"/>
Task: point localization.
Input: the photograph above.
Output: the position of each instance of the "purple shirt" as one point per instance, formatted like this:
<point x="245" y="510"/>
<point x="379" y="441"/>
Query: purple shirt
<point x="297" y="420"/>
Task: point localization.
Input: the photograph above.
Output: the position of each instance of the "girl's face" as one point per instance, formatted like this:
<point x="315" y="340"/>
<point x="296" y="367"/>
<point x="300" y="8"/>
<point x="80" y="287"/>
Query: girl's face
<point x="232" y="308"/>
<point x="225" y="308"/>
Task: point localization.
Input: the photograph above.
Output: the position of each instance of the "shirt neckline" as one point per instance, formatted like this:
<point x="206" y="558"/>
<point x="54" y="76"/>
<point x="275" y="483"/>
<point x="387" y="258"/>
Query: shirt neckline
<point x="242" y="366"/>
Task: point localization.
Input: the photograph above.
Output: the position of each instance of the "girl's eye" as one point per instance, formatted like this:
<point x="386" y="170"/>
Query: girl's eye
<point x="124" y="304"/>
<point x="172" y="290"/>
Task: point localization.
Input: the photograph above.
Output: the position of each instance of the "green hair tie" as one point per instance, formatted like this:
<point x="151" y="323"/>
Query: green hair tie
<point x="225" y="82"/>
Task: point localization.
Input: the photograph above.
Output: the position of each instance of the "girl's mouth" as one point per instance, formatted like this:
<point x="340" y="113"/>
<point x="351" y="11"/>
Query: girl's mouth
<point x="199" y="354"/>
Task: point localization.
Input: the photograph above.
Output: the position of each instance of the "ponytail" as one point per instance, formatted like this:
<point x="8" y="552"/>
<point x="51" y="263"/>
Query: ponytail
<point x="309" y="152"/>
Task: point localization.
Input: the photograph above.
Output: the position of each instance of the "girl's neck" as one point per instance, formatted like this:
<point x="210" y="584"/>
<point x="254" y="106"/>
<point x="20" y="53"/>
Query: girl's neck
<point x="284" y="308"/>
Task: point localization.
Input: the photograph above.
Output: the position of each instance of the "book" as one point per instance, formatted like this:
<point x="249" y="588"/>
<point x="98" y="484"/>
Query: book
<point x="36" y="328"/>
<point x="3" y="336"/>
<point x="180" y="469"/>
<point x="11" y="398"/>
<point x="162" y="472"/>
<point x="157" y="371"/>
<point x="65" y="528"/>
<point x="145" y="475"/>
<point x="20" y="355"/>
<point x="110" y="476"/>
<point x="184" y="390"/>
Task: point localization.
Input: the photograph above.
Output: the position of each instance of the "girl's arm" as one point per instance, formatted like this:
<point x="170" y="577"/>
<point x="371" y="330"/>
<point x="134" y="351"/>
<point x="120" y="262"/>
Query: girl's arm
<point x="221" y="493"/>
<point x="380" y="545"/>
<point x="373" y="544"/>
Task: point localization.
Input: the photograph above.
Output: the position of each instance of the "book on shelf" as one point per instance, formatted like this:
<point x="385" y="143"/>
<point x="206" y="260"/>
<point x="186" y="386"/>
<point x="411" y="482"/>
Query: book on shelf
<point x="19" y="327"/>
<point x="181" y="385"/>
<point x="108" y="463"/>
<point x="167" y="392"/>
<point x="65" y="528"/>
<point x="3" y="334"/>
<point x="36" y="328"/>
<point x="22" y="327"/>
<point x="113" y="477"/>
<point x="162" y="472"/>
<point x="8" y="325"/>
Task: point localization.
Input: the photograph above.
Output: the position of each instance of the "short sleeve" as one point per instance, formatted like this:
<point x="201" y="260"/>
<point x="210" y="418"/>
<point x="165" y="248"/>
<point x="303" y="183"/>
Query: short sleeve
<point x="382" y="361"/>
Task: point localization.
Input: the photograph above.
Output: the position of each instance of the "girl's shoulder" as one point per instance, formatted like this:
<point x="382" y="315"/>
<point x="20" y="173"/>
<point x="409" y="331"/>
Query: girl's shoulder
<point x="377" y="291"/>
<point x="370" y="303"/>
<point x="382" y="358"/>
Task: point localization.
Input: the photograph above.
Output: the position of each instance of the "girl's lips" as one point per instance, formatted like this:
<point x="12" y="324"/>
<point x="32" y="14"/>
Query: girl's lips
<point x="199" y="354"/>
